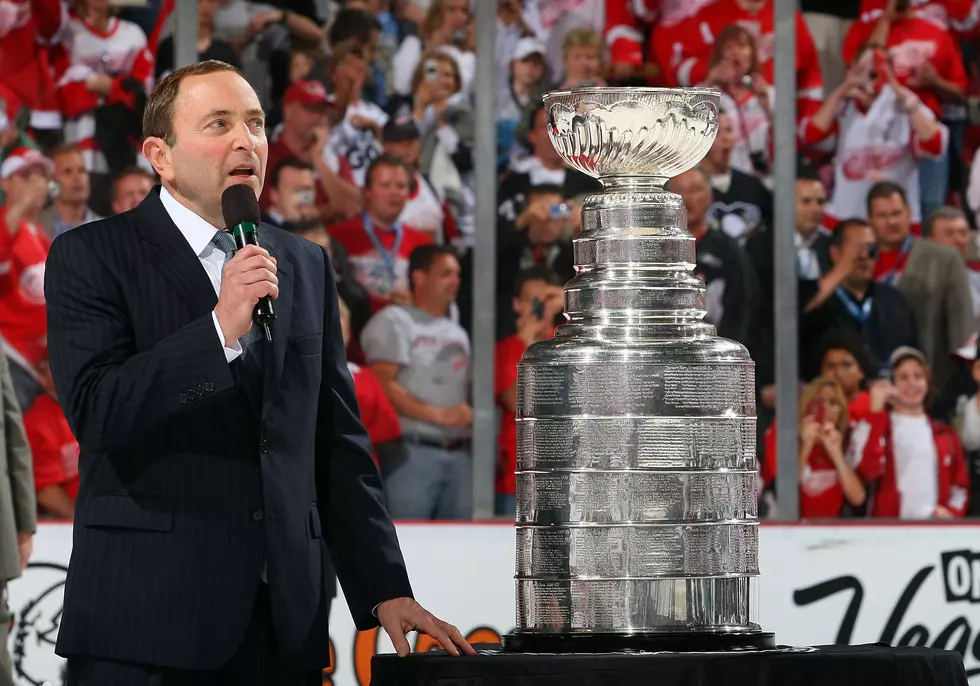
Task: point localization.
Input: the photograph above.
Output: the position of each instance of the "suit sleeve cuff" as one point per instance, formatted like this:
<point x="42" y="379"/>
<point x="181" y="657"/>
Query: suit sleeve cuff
<point x="230" y="353"/>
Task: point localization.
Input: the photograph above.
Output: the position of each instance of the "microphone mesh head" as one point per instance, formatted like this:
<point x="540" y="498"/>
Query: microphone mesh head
<point x="239" y="205"/>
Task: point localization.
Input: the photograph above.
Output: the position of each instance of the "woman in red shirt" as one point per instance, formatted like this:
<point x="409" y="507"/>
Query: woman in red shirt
<point x="826" y="478"/>
<point x="913" y="465"/>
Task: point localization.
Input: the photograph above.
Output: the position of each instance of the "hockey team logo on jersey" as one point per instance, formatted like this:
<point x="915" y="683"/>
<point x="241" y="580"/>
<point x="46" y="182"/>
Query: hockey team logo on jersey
<point x="817" y="482"/>
<point x="907" y="57"/>
<point x="871" y="161"/>
<point x="32" y="284"/>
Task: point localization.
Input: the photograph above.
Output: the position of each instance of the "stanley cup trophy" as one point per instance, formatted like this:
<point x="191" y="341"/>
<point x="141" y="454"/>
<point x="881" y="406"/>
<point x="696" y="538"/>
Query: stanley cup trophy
<point x="637" y="523"/>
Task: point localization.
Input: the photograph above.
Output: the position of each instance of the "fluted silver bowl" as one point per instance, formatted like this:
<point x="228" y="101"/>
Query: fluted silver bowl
<point x="653" y="132"/>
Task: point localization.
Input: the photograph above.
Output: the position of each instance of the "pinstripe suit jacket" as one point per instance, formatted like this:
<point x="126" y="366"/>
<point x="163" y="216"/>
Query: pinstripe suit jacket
<point x="186" y="485"/>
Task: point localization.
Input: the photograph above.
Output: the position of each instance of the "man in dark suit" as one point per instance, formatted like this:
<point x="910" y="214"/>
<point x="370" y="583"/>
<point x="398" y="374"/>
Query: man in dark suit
<point x="214" y="465"/>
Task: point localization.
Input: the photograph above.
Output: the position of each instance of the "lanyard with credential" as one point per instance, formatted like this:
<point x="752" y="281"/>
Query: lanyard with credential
<point x="386" y="256"/>
<point x="903" y="254"/>
<point x="862" y="312"/>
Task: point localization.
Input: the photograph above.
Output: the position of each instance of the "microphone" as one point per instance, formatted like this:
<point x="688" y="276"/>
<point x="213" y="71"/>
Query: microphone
<point x="240" y="210"/>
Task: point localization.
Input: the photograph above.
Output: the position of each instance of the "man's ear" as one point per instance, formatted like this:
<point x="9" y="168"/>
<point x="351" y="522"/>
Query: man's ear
<point x="159" y="154"/>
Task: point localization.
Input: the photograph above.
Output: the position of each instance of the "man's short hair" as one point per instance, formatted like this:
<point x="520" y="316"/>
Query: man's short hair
<point x="132" y="170"/>
<point x="886" y="189"/>
<point x="64" y="149"/>
<point x="158" y="116"/>
<point x="840" y="339"/>
<point x="423" y="257"/>
<point x="807" y="172"/>
<point x="940" y="213"/>
<point x="840" y="231"/>
<point x="353" y="25"/>
<point x="342" y="51"/>
<point x="536" y="273"/>
<point x="386" y="160"/>
<point x="288" y="163"/>
<point x="304" y="226"/>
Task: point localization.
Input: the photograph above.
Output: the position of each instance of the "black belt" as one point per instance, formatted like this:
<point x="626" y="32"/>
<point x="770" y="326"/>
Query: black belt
<point x="452" y="444"/>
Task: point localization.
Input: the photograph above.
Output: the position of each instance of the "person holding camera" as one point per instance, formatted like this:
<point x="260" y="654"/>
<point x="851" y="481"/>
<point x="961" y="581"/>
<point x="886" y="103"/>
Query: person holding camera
<point x="540" y="236"/>
<point x="913" y="466"/>
<point x="828" y="482"/>
<point x="883" y="130"/>
<point x="848" y="298"/>
<point x="747" y="99"/>
<point x="25" y="176"/>
<point x="449" y="27"/>
<point x="537" y="303"/>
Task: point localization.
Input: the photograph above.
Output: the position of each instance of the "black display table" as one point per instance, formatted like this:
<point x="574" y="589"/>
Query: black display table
<point x="866" y="665"/>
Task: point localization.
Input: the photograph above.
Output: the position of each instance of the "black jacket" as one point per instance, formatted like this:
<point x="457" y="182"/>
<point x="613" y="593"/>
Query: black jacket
<point x="194" y="470"/>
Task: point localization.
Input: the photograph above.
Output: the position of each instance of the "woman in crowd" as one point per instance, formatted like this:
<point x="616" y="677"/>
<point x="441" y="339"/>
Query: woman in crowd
<point x="747" y="98"/>
<point x="827" y="481"/>
<point x="913" y="466"/>
<point x="448" y="27"/>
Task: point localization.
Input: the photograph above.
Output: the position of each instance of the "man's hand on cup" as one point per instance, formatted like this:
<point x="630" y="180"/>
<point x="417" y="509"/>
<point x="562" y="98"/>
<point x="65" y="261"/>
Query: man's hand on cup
<point x="249" y="276"/>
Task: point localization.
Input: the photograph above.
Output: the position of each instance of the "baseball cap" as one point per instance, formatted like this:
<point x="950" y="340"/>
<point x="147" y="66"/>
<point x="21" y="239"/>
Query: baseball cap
<point x="400" y="129"/>
<point x="24" y="158"/>
<point x="527" y="47"/>
<point x="905" y="352"/>
<point x="308" y="94"/>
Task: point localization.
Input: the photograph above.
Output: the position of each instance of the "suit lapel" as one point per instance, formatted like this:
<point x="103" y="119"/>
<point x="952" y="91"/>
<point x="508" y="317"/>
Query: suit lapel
<point x="283" y="307"/>
<point x="173" y="256"/>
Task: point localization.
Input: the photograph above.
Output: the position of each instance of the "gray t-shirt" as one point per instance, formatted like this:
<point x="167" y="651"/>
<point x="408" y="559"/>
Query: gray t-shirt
<point x="434" y="355"/>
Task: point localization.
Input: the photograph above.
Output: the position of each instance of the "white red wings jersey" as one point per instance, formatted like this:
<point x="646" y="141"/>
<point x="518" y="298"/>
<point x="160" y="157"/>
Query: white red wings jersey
<point x="876" y="145"/>
<point x="27" y="28"/>
<point x="911" y="43"/>
<point x="120" y="52"/>
<point x="752" y="134"/>
<point x="683" y="51"/>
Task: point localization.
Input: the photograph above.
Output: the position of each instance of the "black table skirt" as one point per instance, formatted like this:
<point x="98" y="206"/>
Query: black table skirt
<point x="866" y="665"/>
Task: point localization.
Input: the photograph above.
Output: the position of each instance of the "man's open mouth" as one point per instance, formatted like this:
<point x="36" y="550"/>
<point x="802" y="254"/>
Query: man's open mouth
<point x="243" y="171"/>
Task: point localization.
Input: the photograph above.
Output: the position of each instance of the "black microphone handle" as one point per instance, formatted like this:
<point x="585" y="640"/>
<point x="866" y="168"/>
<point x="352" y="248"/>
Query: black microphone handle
<point x="246" y="234"/>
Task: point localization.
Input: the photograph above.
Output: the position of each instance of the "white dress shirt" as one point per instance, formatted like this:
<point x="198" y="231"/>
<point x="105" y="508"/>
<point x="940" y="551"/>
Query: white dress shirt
<point x="199" y="232"/>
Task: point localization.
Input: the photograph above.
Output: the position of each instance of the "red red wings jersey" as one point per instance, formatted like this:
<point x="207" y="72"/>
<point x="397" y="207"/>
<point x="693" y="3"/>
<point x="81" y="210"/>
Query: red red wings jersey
<point x="959" y="15"/>
<point x="683" y="51"/>
<point x="625" y="20"/>
<point x="120" y="52"/>
<point x="27" y="27"/>
<point x="911" y="43"/>
<point x="23" y="318"/>
<point x="53" y="446"/>
<point x="383" y="267"/>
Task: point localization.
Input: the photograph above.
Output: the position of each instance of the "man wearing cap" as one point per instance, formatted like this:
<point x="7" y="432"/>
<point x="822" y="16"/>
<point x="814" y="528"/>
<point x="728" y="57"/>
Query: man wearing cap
<point x="304" y="136"/>
<point x="24" y="248"/>
<point x="430" y="195"/>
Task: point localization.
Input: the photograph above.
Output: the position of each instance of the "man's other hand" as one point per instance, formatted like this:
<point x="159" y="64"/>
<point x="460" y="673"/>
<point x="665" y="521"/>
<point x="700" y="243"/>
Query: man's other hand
<point x="401" y="615"/>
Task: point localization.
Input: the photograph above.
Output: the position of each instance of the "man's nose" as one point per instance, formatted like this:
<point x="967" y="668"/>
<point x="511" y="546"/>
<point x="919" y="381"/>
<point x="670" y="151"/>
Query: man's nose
<point x="244" y="139"/>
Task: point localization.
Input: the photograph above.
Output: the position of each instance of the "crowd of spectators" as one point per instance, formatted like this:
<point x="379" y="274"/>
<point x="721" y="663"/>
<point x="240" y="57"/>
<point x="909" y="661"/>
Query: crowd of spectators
<point x="371" y="128"/>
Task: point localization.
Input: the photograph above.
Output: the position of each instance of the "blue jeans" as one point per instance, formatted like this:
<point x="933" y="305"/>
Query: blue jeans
<point x="430" y="483"/>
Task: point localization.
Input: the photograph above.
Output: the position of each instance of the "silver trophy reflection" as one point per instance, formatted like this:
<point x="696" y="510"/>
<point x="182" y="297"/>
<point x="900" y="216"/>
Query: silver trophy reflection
<point x="637" y="518"/>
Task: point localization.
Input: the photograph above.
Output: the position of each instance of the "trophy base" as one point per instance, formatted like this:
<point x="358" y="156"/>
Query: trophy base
<point x="689" y="642"/>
